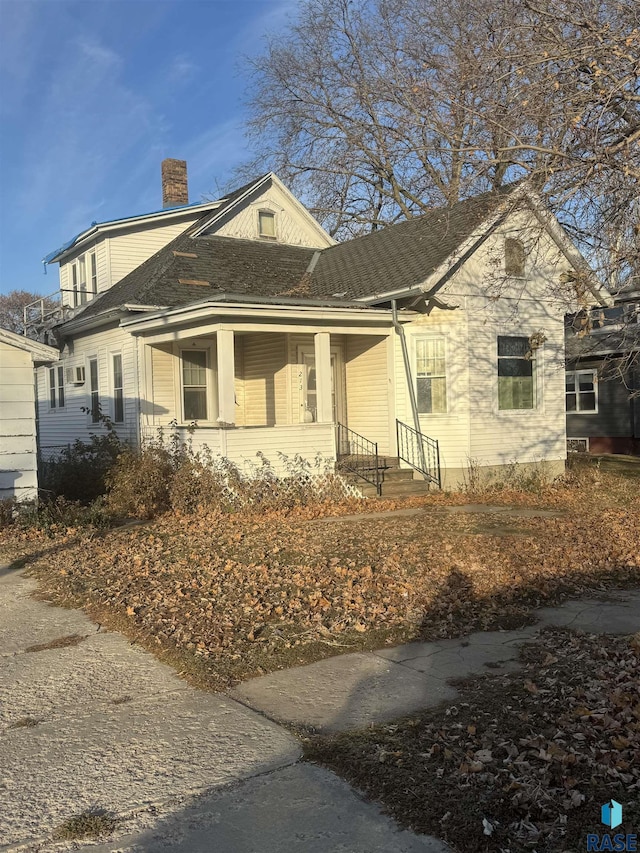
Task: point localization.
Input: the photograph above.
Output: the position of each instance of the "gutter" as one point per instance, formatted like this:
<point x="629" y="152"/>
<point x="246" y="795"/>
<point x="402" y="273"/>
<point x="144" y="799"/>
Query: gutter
<point x="407" y="372"/>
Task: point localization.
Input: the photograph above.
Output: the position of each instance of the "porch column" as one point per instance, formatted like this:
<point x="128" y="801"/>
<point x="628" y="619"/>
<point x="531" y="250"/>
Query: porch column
<point x="322" y="346"/>
<point x="226" y="377"/>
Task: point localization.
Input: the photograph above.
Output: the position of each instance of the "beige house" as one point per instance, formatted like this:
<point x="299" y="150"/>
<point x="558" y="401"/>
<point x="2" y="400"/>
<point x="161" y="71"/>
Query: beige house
<point x="18" y="440"/>
<point x="438" y="341"/>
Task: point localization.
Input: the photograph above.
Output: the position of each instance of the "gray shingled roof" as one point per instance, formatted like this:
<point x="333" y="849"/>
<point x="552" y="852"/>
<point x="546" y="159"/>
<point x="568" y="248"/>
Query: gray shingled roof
<point x="394" y="259"/>
<point x="402" y="256"/>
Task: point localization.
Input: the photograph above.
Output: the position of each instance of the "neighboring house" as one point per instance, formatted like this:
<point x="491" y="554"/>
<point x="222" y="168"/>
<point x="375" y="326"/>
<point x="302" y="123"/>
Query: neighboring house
<point x="440" y="335"/>
<point x="18" y="441"/>
<point x="603" y="376"/>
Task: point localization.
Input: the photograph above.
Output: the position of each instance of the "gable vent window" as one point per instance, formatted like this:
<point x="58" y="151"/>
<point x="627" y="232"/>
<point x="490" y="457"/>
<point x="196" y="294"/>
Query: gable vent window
<point x="514" y="257"/>
<point x="267" y="224"/>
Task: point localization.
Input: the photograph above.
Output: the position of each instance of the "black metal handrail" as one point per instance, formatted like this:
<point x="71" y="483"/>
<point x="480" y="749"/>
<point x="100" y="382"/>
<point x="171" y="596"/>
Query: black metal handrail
<point x="419" y="451"/>
<point x="359" y="456"/>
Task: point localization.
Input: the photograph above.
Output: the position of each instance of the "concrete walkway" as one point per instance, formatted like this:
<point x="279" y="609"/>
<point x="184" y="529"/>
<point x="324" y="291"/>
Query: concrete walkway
<point x="101" y="724"/>
<point x="356" y="690"/>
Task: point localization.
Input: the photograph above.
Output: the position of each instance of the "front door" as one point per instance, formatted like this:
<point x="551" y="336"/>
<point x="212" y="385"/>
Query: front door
<point x="308" y="385"/>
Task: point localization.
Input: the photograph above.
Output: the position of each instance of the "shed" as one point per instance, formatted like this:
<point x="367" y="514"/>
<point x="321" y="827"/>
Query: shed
<point x="18" y="446"/>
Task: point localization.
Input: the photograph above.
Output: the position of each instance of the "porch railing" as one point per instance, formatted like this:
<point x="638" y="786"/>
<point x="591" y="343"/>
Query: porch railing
<point x="419" y="451"/>
<point x="359" y="456"/>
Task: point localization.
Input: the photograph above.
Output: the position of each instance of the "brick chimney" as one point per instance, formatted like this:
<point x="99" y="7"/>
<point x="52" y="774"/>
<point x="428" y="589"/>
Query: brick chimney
<point x="175" y="190"/>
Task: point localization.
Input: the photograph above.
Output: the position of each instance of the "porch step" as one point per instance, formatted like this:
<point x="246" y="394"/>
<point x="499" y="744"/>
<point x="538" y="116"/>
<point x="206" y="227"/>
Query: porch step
<point x="396" y="482"/>
<point x="401" y="489"/>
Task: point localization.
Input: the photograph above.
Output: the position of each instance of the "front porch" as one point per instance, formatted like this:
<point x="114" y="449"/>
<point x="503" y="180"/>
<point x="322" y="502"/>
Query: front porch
<point x="240" y="391"/>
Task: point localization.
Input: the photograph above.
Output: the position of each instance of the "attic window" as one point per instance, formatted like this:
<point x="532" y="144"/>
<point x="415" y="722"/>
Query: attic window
<point x="267" y="224"/>
<point x="514" y="257"/>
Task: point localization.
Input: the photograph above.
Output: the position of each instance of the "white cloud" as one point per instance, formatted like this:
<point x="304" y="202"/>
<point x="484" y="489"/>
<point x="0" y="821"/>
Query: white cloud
<point x="89" y="119"/>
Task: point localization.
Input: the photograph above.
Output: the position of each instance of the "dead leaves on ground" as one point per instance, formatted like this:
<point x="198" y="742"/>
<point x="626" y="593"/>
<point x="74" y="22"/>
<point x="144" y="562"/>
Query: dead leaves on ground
<point x="251" y="590"/>
<point x="524" y="761"/>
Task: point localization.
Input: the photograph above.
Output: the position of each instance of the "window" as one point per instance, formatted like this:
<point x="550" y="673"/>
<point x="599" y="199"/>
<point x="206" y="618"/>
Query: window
<point x="94" y="273"/>
<point x="582" y="390"/>
<point x="82" y="279"/>
<point x="267" y="224"/>
<point x="118" y="390"/>
<point x="74" y="284"/>
<point x="431" y="379"/>
<point x="60" y="386"/>
<point x="514" y="257"/>
<point x="52" y="387"/>
<point x="194" y="385"/>
<point x="56" y="387"/>
<point x="516" y="373"/>
<point x="94" y="398"/>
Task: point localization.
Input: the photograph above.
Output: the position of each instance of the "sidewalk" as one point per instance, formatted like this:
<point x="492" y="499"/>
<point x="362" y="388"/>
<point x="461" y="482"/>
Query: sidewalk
<point x="90" y="721"/>
<point x="356" y="690"/>
<point x="99" y="723"/>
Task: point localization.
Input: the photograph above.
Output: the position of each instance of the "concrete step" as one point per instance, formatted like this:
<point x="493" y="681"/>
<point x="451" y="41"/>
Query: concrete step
<point x="390" y="475"/>
<point x="399" y="489"/>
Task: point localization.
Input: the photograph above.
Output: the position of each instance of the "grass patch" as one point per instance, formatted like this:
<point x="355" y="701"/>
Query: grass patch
<point x="25" y="723"/>
<point x="522" y="761"/>
<point x="58" y="643"/>
<point x="89" y="824"/>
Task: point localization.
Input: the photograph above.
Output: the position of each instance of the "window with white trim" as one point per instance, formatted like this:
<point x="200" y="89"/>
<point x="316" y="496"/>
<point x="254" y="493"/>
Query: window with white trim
<point x="431" y="376"/>
<point x="516" y="373"/>
<point x="74" y="284"/>
<point x="267" y="224"/>
<point x="56" y="387"/>
<point x="82" y="279"/>
<point x="582" y="390"/>
<point x="94" y="391"/>
<point x="93" y="270"/>
<point x="118" y="389"/>
<point x="194" y="384"/>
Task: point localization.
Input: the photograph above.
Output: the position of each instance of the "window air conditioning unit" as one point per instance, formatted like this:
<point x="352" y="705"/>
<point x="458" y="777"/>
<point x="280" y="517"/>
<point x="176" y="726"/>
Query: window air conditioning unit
<point x="75" y="375"/>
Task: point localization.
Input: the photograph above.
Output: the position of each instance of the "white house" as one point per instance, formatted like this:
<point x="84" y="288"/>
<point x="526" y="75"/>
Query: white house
<point x="439" y="339"/>
<point x="18" y="441"/>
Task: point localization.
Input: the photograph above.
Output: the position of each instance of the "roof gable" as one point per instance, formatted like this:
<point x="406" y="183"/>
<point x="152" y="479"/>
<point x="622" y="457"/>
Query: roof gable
<point x="270" y="193"/>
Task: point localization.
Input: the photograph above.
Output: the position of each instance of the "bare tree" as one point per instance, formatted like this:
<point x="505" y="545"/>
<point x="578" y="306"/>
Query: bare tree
<point x="12" y="305"/>
<point x="380" y="109"/>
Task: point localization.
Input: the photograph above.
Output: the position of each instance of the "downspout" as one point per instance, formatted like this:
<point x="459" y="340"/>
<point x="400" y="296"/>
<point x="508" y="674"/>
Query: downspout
<point x="407" y="372"/>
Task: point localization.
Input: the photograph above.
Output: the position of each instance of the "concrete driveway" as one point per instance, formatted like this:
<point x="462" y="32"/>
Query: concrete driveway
<point x="100" y="724"/>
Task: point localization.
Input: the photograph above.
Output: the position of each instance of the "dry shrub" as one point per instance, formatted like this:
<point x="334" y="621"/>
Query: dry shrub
<point x="169" y="475"/>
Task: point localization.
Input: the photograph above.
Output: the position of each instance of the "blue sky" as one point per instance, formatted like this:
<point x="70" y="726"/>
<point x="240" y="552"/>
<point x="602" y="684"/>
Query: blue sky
<point x="95" y="94"/>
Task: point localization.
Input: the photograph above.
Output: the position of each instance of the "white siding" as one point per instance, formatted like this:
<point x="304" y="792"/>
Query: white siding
<point x="293" y="225"/>
<point x="242" y="445"/>
<point x="265" y="379"/>
<point x="450" y="429"/>
<point x="367" y="388"/>
<point x="486" y="304"/>
<point x="60" y="427"/>
<point x="18" y="458"/>
<point x="133" y="246"/>
<point x="119" y="252"/>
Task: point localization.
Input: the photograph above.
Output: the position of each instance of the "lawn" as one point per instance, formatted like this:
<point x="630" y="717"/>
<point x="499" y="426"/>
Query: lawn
<point x="228" y="596"/>
<point x="522" y="761"/>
